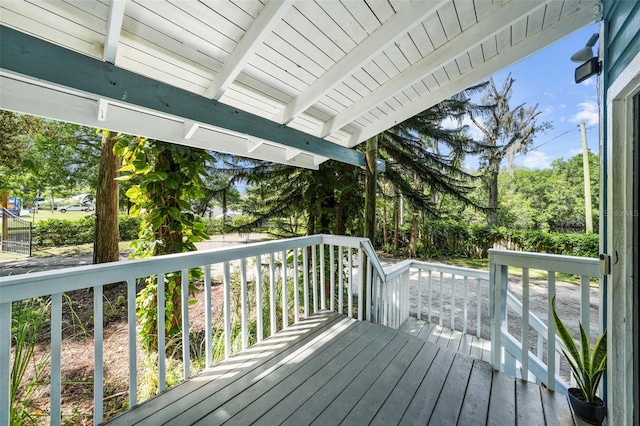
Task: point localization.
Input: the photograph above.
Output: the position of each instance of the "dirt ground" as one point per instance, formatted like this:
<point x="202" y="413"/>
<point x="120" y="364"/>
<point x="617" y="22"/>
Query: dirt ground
<point x="78" y="349"/>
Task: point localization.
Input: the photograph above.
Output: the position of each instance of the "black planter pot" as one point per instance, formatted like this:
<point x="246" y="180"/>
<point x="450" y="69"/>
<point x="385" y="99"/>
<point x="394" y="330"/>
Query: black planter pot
<point x="590" y="413"/>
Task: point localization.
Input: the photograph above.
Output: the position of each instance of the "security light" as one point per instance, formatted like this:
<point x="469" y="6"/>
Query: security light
<point x="586" y="53"/>
<point x="590" y="63"/>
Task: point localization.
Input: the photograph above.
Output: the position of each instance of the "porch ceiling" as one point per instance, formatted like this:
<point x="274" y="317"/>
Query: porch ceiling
<point x="294" y="82"/>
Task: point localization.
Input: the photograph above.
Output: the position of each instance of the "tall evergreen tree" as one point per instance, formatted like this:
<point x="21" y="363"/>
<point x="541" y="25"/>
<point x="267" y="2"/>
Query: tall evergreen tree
<point x="507" y="132"/>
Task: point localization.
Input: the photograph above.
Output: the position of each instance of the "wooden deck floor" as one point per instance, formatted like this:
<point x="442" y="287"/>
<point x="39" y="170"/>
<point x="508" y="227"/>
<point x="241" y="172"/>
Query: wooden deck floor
<point x="457" y="341"/>
<point x="330" y="369"/>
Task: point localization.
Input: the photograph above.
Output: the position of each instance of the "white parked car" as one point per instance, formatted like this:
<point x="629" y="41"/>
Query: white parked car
<point x="74" y="208"/>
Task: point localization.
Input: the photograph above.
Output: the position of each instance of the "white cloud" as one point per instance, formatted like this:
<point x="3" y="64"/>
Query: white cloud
<point x="589" y="82"/>
<point x="574" y="151"/>
<point x="537" y="160"/>
<point x="588" y="114"/>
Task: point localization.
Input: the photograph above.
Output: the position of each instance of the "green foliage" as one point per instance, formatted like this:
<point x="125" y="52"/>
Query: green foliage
<point x="62" y="232"/>
<point x="448" y="238"/>
<point x="165" y="176"/>
<point x="26" y="325"/>
<point x="587" y="365"/>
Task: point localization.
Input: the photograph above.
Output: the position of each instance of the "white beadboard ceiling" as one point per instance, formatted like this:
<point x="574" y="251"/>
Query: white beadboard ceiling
<point x="338" y="72"/>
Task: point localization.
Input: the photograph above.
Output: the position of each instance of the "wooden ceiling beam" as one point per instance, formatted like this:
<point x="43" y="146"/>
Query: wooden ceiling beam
<point x="394" y="28"/>
<point x="270" y="15"/>
<point x="494" y="22"/>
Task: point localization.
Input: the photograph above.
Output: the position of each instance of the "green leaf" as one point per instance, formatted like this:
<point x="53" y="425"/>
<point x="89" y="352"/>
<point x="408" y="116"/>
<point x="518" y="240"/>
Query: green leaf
<point x="124" y="178"/>
<point x="565" y="336"/>
<point x="156" y="176"/>
<point x="133" y="192"/>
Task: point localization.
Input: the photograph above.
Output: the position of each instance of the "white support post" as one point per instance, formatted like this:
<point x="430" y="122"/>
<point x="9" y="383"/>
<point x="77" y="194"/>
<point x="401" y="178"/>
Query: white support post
<point x="227" y="309"/>
<point x="314" y="278"/>
<point x="419" y="307"/>
<point x="208" y="338"/>
<point x="133" y="344"/>
<point x="479" y="309"/>
<point x="367" y="303"/>
<point x="184" y="296"/>
<point x="350" y="284"/>
<point x="551" y="335"/>
<point x="430" y="282"/>
<point x="360" y="284"/>
<point x="98" y="366"/>
<point x="323" y="296"/>
<point x="5" y="361"/>
<point x="525" y="324"/>
<point x="332" y="279"/>
<point x="441" y="313"/>
<point x="56" y="358"/>
<point x="244" y="308"/>
<point x="296" y="286"/>
<point x="285" y="307"/>
<point x="585" y="297"/>
<point x="340" y="280"/>
<point x="162" y="377"/>
<point x="453" y="302"/>
<point x="305" y="280"/>
<point x="466" y="304"/>
<point x="259" y="323"/>
<point x="272" y="293"/>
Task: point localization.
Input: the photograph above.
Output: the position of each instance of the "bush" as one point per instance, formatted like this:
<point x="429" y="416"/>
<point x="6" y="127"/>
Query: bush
<point x="448" y="238"/>
<point x="61" y="232"/>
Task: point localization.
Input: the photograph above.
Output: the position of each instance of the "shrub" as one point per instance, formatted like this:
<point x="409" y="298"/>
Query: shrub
<point x="61" y="232"/>
<point x="448" y="238"/>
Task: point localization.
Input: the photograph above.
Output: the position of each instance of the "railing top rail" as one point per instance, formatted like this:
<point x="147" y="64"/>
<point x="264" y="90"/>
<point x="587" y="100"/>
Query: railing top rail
<point x="545" y="261"/>
<point x="19" y="287"/>
<point x="399" y="268"/>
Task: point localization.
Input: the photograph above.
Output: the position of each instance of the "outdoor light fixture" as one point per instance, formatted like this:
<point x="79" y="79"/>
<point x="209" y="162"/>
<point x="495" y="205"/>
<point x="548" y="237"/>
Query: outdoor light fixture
<point x="590" y="63"/>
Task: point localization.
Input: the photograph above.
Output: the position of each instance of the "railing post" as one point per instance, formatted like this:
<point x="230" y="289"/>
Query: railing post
<point x="5" y="361"/>
<point x="498" y="278"/>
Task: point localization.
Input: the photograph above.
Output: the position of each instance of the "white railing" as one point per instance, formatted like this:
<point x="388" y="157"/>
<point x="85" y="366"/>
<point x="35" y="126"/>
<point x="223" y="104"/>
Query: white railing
<point x="457" y="298"/>
<point x="297" y="276"/>
<point x="291" y="279"/>
<point x="512" y="346"/>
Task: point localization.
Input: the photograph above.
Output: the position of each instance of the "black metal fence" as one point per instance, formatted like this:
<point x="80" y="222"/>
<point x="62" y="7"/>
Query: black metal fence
<point x="16" y="233"/>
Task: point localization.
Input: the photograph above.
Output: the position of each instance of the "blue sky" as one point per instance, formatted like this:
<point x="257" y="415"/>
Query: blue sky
<point x="547" y="79"/>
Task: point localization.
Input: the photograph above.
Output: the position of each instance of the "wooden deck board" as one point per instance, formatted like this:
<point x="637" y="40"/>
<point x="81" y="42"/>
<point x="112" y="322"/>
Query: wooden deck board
<point x="330" y="369"/>
<point x="529" y="404"/>
<point x="447" y="408"/>
<point x="391" y="411"/>
<point x="502" y="405"/>
<point x="476" y="400"/>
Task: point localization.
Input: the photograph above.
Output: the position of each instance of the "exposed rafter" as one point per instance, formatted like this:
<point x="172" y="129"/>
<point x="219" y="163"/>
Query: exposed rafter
<point x="395" y="27"/>
<point x="527" y="47"/>
<point x="495" y="22"/>
<point x="40" y="60"/>
<point x="270" y="15"/>
<point x="114" y="26"/>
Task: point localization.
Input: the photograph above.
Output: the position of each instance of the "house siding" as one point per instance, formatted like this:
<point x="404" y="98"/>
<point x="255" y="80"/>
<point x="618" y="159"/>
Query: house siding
<point x="622" y="18"/>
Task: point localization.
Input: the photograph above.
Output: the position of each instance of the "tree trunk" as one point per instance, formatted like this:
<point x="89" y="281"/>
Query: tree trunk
<point x="385" y="232"/>
<point x="370" y="190"/>
<point x="396" y="222"/>
<point x="492" y="214"/>
<point x="105" y="245"/>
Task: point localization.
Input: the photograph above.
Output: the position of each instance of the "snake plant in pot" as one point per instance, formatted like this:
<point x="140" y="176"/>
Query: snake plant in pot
<point x="587" y="366"/>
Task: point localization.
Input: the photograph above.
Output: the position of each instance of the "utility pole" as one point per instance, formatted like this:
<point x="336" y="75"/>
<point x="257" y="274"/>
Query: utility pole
<point x="587" y="182"/>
